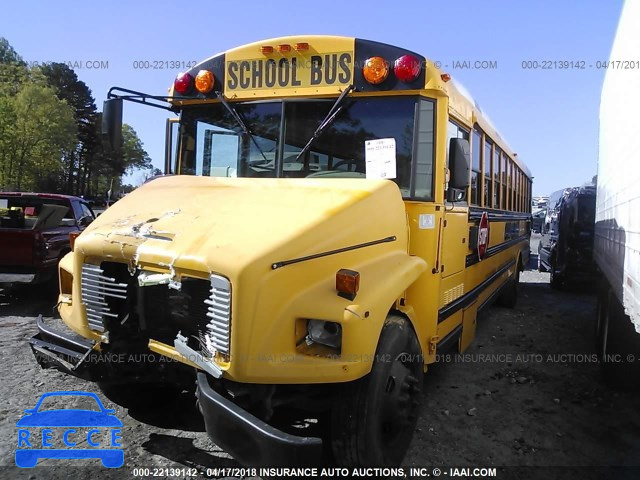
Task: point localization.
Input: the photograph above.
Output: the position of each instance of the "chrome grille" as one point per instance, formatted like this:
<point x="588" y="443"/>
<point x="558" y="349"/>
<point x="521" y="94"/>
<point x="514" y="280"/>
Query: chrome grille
<point x="95" y="288"/>
<point x="217" y="334"/>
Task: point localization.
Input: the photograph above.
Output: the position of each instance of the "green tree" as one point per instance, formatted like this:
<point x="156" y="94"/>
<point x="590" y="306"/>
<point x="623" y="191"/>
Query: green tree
<point x="50" y="136"/>
<point x="42" y="128"/>
<point x="8" y="54"/>
<point x="107" y="166"/>
<point x="13" y="70"/>
<point x="76" y="93"/>
<point x="34" y="125"/>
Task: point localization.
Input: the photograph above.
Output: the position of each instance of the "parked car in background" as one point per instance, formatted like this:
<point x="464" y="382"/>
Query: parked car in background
<point x="537" y="219"/>
<point x="34" y="234"/>
<point x="566" y="245"/>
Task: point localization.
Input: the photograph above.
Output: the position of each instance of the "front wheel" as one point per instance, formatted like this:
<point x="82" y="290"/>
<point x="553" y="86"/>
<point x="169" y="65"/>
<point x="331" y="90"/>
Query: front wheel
<point x="372" y="423"/>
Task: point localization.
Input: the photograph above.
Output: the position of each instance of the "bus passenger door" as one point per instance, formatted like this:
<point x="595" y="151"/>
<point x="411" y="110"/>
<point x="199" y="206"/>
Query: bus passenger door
<point x="453" y="253"/>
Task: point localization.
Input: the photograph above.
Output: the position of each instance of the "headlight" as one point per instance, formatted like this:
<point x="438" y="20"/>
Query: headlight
<point x="324" y="333"/>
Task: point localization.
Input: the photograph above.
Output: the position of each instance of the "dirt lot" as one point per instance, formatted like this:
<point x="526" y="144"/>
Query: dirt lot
<point x="526" y="394"/>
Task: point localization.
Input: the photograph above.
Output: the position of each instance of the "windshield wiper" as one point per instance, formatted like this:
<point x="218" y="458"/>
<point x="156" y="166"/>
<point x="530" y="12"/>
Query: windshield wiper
<point x="328" y="120"/>
<point x="243" y="125"/>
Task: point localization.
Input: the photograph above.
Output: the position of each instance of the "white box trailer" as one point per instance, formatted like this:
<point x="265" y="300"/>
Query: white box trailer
<point x="617" y="233"/>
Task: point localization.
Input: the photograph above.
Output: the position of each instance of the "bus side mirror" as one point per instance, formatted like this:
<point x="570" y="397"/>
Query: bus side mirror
<point x="112" y="124"/>
<point x="459" y="166"/>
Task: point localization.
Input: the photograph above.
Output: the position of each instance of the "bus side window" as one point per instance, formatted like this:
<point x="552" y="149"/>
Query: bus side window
<point x="475" y="167"/>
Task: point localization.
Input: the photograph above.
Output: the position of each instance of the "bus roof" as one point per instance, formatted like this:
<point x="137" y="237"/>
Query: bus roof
<point x="466" y="109"/>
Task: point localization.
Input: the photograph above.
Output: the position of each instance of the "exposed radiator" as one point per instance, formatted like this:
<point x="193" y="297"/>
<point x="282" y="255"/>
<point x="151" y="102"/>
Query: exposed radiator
<point x="217" y="334"/>
<point x="95" y="288"/>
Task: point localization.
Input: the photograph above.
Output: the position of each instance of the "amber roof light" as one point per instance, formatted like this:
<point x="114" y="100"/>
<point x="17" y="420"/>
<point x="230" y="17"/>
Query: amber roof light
<point x="375" y="70"/>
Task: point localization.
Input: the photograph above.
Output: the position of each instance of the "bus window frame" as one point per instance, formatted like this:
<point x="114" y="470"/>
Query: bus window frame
<point x="414" y="150"/>
<point x="461" y="126"/>
<point x="172" y="149"/>
<point x="279" y="164"/>
<point x="497" y="159"/>
<point x="478" y="196"/>
<point x="486" y="196"/>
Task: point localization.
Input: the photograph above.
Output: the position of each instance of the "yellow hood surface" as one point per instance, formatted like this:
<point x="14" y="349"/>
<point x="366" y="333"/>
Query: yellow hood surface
<point x="221" y="225"/>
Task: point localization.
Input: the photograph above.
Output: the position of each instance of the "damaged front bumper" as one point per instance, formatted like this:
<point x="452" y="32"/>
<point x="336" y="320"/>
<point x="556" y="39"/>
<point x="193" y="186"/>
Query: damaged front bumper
<point x="247" y="438"/>
<point x="64" y="351"/>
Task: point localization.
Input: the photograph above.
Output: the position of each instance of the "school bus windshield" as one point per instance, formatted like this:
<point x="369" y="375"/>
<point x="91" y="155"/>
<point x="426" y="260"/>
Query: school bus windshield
<point x="214" y="143"/>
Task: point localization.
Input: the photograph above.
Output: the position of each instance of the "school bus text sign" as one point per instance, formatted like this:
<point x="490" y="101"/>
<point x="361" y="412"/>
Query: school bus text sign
<point x="317" y="73"/>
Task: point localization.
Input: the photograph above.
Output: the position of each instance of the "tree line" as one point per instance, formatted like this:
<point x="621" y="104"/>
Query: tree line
<point x="50" y="132"/>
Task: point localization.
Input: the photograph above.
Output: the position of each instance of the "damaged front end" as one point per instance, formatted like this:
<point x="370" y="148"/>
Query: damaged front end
<point x="233" y="281"/>
<point x="63" y="350"/>
<point x="125" y="324"/>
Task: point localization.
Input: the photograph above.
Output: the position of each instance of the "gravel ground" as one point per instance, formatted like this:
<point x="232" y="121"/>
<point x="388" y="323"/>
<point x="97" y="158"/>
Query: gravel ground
<point x="526" y="394"/>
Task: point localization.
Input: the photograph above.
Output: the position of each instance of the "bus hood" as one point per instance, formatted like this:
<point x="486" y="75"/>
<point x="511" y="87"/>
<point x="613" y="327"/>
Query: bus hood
<point x="222" y="225"/>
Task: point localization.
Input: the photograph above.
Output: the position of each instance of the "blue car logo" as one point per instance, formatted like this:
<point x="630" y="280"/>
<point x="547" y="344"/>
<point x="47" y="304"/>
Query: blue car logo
<point x="42" y="431"/>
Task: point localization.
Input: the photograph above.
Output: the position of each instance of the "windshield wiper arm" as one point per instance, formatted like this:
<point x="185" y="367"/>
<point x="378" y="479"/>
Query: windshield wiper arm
<point x="243" y="125"/>
<point x="328" y="120"/>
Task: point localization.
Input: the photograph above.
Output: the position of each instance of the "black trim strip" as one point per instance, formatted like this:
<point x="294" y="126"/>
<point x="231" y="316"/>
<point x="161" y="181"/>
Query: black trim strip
<point x="497" y="215"/>
<point x="472" y="258"/>
<point x="284" y="263"/>
<point x="468" y="298"/>
<point x="490" y="299"/>
<point x="446" y="343"/>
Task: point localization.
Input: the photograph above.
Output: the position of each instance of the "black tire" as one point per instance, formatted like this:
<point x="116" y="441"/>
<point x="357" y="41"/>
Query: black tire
<point x="619" y="347"/>
<point x="373" y="419"/>
<point x="509" y="297"/>
<point x="555" y="280"/>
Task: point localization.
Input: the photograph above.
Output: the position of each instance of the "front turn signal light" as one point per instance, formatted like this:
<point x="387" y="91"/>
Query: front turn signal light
<point x="347" y="283"/>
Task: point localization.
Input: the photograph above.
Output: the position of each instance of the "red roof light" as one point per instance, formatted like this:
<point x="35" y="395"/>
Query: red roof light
<point x="407" y="68"/>
<point x="183" y="83"/>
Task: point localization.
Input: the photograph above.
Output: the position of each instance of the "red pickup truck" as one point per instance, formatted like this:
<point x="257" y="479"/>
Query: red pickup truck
<point x="34" y="234"/>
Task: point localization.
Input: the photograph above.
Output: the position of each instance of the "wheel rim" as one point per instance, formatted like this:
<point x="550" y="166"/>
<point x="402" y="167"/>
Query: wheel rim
<point x="401" y="399"/>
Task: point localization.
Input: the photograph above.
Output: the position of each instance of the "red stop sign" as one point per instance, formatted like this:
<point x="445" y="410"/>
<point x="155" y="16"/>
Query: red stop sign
<point x="483" y="235"/>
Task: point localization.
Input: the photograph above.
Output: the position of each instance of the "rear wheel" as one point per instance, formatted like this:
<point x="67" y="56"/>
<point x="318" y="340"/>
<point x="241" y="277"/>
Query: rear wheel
<point x="619" y="345"/>
<point x="509" y="297"/>
<point x="372" y="422"/>
<point x="555" y="279"/>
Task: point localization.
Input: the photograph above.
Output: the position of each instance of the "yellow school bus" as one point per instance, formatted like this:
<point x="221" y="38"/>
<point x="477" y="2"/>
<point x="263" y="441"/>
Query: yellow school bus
<point x="336" y="212"/>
